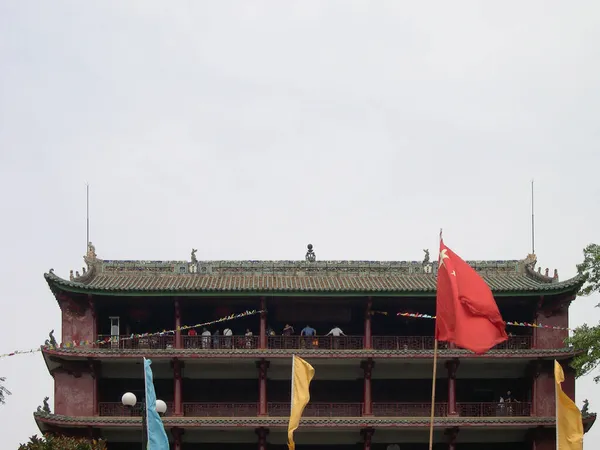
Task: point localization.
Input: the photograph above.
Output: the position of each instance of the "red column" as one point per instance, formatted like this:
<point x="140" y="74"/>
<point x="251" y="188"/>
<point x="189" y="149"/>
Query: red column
<point x="262" y="387"/>
<point x="367" y="367"/>
<point x="262" y="438"/>
<point x="262" y="344"/>
<point x="368" y="315"/>
<point x="94" y="370"/>
<point x="452" y="367"/>
<point x="452" y="434"/>
<point x="367" y="434"/>
<point x="177" y="365"/>
<point x="178" y="343"/>
<point x="177" y="435"/>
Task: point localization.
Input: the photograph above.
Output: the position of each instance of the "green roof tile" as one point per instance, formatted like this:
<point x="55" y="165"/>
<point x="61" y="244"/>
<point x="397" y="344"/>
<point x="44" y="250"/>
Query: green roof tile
<point x="306" y="277"/>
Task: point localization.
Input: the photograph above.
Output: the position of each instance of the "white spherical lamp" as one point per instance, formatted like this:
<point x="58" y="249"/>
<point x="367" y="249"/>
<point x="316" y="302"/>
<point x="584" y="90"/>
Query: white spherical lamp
<point x="129" y="399"/>
<point x="161" y="407"/>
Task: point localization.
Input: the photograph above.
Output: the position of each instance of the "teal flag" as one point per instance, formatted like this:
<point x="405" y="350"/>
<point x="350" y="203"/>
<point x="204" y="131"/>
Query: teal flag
<point x="157" y="437"/>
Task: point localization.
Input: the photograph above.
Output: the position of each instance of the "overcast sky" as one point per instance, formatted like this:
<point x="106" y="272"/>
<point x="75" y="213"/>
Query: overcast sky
<point x="247" y="129"/>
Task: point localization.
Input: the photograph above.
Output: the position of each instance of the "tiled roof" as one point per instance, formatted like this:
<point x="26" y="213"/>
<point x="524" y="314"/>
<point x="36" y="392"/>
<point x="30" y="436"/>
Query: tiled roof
<point x="318" y="277"/>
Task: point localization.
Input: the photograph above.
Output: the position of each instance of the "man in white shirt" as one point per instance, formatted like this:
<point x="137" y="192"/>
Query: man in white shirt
<point x="227" y="337"/>
<point x="205" y="338"/>
<point x="336" y="332"/>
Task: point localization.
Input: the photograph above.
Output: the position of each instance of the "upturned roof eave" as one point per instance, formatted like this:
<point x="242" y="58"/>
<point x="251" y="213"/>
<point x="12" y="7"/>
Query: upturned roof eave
<point x="57" y="283"/>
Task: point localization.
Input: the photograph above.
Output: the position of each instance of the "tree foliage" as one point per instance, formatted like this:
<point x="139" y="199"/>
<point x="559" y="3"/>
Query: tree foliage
<point x="62" y="443"/>
<point x="590" y="269"/>
<point x="3" y="391"/>
<point x="587" y="338"/>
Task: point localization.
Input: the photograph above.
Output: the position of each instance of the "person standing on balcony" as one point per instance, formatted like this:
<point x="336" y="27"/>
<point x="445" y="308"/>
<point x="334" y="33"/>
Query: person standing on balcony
<point x="336" y="332"/>
<point x="227" y="337"/>
<point x="287" y="332"/>
<point x="216" y="339"/>
<point x="308" y="334"/>
<point x="248" y="338"/>
<point x="205" y="338"/>
<point x="192" y="343"/>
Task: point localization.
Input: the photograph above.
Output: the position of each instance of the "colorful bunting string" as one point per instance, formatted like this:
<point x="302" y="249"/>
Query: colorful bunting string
<point x="234" y="317"/>
<point x="133" y="336"/>
<point x="514" y="324"/>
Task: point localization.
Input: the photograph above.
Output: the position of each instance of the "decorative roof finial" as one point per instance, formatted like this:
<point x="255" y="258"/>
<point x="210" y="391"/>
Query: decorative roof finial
<point x="71" y="276"/>
<point x="310" y="254"/>
<point x="426" y="259"/>
<point x="547" y="270"/>
<point x="194" y="259"/>
<point x="556" y="274"/>
<point x="91" y="252"/>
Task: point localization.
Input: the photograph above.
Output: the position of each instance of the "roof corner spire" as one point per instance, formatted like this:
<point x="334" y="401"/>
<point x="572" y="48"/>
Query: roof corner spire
<point x="310" y="254"/>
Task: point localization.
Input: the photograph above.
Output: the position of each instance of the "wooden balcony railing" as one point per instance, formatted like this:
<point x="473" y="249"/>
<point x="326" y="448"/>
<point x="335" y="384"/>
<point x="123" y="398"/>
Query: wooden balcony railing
<point x="427" y="343"/>
<point x="409" y="409"/>
<point x="291" y="342"/>
<point x="220" y="409"/>
<point x="116" y="409"/>
<point x="136" y="343"/>
<point x="220" y="342"/>
<point x="319" y="409"/>
<point x="512" y="409"/>
<point x="316" y="342"/>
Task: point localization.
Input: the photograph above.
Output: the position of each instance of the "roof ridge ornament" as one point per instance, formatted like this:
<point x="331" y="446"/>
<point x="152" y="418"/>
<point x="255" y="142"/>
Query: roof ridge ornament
<point x="194" y="260"/>
<point x="310" y="254"/>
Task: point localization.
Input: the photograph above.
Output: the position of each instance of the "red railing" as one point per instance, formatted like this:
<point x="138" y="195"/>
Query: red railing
<point x="220" y="342"/>
<point x="512" y="409"/>
<point x="409" y="409"/>
<point x="316" y="342"/>
<point x="291" y="342"/>
<point x="220" y="409"/>
<point x="427" y="343"/>
<point x="318" y="410"/>
<point x="136" y="343"/>
<point x="403" y="342"/>
<point x="117" y="409"/>
<point x="515" y="343"/>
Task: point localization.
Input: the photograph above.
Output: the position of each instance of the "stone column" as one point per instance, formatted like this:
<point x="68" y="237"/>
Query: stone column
<point x="367" y="434"/>
<point x="368" y="336"/>
<point x="95" y="369"/>
<point x="262" y="438"/>
<point x="178" y="407"/>
<point x="262" y="344"/>
<point x="452" y="367"/>
<point x="367" y="367"/>
<point x="262" y="387"/>
<point x="177" y="438"/>
<point x="178" y="340"/>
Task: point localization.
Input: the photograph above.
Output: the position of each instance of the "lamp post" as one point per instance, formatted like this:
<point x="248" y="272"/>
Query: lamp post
<point x="129" y="400"/>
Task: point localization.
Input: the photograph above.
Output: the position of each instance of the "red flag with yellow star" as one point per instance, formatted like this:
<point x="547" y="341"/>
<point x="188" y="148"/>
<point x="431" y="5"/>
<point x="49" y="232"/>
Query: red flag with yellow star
<point x="467" y="313"/>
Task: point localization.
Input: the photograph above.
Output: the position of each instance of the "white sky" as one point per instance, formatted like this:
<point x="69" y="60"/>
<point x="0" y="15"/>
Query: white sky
<point x="248" y="129"/>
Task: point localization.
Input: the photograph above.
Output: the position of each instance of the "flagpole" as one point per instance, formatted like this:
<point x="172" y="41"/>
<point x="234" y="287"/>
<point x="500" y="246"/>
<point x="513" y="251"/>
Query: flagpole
<point x="435" y="354"/>
<point x="556" y="406"/>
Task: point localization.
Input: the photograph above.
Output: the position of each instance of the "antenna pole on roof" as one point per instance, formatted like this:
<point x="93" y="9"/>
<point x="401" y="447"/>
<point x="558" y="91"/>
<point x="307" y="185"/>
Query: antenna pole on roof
<point x="87" y="211"/>
<point x="532" y="222"/>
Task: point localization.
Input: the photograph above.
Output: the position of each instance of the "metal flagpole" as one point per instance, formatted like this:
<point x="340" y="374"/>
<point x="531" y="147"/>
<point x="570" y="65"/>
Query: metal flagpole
<point x="87" y="209"/>
<point x="435" y="354"/>
<point x="532" y="222"/>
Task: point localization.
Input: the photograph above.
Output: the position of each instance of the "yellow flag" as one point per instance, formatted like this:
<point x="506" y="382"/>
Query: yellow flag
<point x="569" y="426"/>
<point x="302" y="374"/>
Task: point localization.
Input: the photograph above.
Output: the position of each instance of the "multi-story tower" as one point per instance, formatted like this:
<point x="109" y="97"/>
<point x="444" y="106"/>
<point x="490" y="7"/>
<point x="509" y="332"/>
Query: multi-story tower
<point x="372" y="387"/>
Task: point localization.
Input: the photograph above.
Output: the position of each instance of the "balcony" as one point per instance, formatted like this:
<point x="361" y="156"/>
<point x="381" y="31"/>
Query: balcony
<point x="378" y="343"/>
<point x="317" y="409"/>
<point x="116" y="409"/>
<point x="316" y="342"/>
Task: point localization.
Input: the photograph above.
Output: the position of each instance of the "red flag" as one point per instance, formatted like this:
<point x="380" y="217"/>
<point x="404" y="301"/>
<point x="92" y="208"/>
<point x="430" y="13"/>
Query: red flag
<point x="467" y="313"/>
